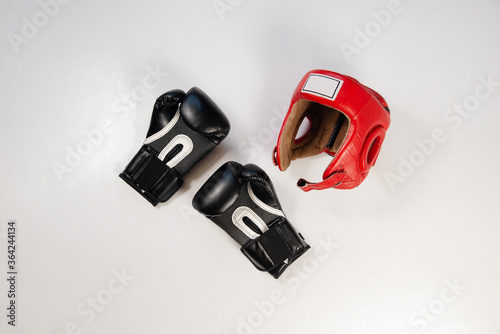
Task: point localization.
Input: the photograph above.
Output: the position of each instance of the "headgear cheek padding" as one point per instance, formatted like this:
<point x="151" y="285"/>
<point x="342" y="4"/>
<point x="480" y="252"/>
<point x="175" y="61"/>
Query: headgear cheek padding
<point x="347" y="121"/>
<point x="323" y="120"/>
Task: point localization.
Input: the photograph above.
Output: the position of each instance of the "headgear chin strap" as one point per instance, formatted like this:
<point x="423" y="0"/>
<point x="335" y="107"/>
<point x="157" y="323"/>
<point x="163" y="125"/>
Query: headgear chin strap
<point x="348" y="121"/>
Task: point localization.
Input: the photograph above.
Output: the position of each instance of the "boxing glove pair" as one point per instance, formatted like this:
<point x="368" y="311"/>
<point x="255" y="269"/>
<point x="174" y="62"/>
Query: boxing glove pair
<point x="186" y="127"/>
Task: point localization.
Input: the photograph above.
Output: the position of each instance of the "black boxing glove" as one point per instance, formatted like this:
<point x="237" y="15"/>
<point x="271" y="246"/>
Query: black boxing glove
<point x="184" y="128"/>
<point x="242" y="201"/>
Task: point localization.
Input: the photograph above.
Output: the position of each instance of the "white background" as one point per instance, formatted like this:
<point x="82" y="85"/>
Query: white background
<point x="397" y="247"/>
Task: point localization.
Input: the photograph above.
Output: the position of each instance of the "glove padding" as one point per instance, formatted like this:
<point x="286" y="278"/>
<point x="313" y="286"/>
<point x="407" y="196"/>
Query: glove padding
<point x="242" y="201"/>
<point x="184" y="128"/>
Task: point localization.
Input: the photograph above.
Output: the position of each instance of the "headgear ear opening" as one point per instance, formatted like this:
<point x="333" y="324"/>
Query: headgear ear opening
<point x="371" y="149"/>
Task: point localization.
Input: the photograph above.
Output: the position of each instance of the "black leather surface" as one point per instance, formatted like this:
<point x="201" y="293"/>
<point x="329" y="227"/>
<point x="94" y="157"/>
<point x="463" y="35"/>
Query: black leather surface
<point x="202" y="146"/>
<point x="226" y="191"/>
<point x="165" y="108"/>
<point x="201" y="114"/>
<point x="276" y="249"/>
<point x="150" y="177"/>
<point x="261" y="185"/>
<point x="200" y="127"/>
<point x="220" y="191"/>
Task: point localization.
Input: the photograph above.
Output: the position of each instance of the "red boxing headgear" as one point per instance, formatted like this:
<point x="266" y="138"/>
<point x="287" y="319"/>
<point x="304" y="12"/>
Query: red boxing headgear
<point x="348" y="121"/>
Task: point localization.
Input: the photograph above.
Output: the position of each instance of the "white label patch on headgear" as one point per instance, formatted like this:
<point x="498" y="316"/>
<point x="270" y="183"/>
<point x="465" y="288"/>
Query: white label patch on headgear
<point x="322" y="85"/>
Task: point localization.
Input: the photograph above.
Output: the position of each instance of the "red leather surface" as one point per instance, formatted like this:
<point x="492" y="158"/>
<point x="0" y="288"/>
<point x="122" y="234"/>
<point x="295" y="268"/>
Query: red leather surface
<point x="369" y="121"/>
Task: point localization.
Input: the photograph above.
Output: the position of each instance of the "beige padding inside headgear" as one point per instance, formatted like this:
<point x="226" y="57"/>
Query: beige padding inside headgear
<point x="323" y="120"/>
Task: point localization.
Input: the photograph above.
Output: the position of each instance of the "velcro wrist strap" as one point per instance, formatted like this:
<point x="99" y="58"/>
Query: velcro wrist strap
<point x="151" y="177"/>
<point x="275" y="249"/>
